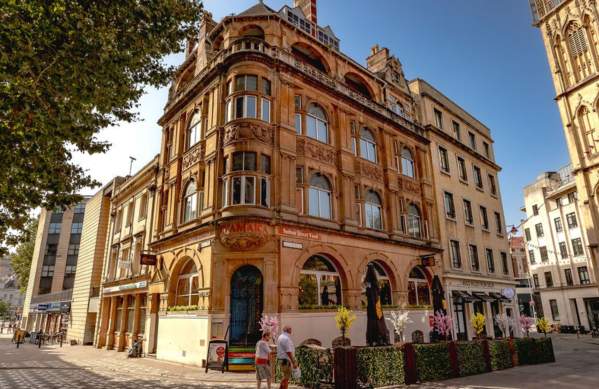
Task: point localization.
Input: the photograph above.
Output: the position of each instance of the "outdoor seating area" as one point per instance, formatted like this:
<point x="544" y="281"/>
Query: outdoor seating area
<point x="407" y="363"/>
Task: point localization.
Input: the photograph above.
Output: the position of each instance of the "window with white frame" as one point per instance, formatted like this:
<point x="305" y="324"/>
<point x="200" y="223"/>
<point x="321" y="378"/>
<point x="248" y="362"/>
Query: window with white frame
<point x="194" y="129"/>
<point x="317" y="126"/>
<point x="319" y="197"/>
<point x="414" y="224"/>
<point x="367" y="145"/>
<point x="188" y="285"/>
<point x="190" y="199"/>
<point x="407" y="163"/>
<point x="373" y="210"/>
<point x="418" y="288"/>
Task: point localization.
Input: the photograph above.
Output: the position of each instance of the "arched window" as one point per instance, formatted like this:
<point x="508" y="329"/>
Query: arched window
<point x="188" y="285"/>
<point x="373" y="210"/>
<point x="319" y="197"/>
<point x="384" y="283"/>
<point x="367" y="145"/>
<point x="414" y="225"/>
<point x="418" y="288"/>
<point x="320" y="283"/>
<point x="316" y="124"/>
<point x="194" y="130"/>
<point x="587" y="130"/>
<point x="578" y="46"/>
<point x="357" y="84"/>
<point x="190" y="204"/>
<point x="407" y="163"/>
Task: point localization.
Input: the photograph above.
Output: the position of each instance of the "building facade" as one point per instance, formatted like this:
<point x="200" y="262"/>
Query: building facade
<point x="524" y="289"/>
<point x="123" y="304"/>
<point x="558" y="251"/>
<point x="570" y="31"/>
<point x="9" y="289"/>
<point x="477" y="271"/>
<point x="286" y="168"/>
<point x="47" y="303"/>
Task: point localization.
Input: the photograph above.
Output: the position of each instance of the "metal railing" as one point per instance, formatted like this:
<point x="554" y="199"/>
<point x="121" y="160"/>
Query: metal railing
<point x="63" y="295"/>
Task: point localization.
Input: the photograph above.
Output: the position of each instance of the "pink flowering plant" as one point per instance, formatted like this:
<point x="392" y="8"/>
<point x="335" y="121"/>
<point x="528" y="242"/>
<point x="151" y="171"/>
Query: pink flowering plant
<point x="269" y="324"/>
<point x="526" y="322"/>
<point x="443" y="324"/>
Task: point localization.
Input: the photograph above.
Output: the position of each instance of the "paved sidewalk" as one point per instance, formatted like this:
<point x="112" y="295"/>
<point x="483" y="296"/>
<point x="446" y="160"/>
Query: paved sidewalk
<point x="87" y="367"/>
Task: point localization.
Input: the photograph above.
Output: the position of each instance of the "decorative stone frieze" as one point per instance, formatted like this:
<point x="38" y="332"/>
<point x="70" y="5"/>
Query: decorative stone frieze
<point x="240" y="131"/>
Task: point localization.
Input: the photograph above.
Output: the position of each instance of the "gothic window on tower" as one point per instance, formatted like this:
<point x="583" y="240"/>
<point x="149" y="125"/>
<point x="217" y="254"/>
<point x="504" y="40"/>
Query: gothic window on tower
<point x="587" y="128"/>
<point x="578" y="48"/>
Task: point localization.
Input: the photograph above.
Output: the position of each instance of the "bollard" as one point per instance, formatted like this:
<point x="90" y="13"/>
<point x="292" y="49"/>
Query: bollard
<point x="60" y="340"/>
<point x="39" y="342"/>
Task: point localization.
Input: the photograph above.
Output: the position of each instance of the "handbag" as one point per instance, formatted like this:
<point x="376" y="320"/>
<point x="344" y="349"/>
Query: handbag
<point x="296" y="373"/>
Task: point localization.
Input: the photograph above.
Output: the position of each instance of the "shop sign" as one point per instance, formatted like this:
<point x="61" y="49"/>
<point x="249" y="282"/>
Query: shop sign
<point x="243" y="235"/>
<point x="42" y="307"/>
<point x="477" y="284"/>
<point x="293" y="245"/>
<point x="65" y="307"/>
<point x="217" y="355"/>
<point x="54" y="307"/>
<point x="428" y="261"/>
<point x="298" y="232"/>
<point x="120" y="288"/>
<point x="147" y="259"/>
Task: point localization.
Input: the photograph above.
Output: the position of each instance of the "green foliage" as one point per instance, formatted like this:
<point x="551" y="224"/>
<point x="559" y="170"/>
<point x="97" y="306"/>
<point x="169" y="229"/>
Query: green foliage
<point x="316" y="366"/>
<point x="70" y="68"/>
<point x="183" y="308"/>
<point x="380" y="366"/>
<point x="20" y="260"/>
<point x="4" y="308"/>
<point x="432" y="361"/>
<point x="471" y="359"/>
<point x="501" y="357"/>
<point x="532" y="351"/>
<point x="332" y="308"/>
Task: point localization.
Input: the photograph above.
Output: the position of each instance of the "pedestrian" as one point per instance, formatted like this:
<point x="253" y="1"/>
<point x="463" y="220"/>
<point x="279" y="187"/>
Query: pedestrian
<point x="262" y="361"/>
<point x="286" y="356"/>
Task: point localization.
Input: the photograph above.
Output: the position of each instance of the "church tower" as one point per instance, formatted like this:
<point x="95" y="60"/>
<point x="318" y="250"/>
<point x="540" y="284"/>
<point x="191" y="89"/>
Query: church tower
<point x="570" y="32"/>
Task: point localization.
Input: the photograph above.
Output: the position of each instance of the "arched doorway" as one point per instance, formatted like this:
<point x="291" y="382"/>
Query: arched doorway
<point x="246" y="306"/>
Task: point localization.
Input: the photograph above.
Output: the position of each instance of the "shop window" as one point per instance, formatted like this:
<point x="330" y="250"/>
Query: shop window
<point x="384" y="283"/>
<point x="407" y="163"/>
<point x="367" y="145"/>
<point x="319" y="193"/>
<point x="317" y="124"/>
<point x="190" y="206"/>
<point x="418" y="288"/>
<point x="414" y="221"/>
<point x="373" y="211"/>
<point x="188" y="285"/>
<point x="320" y="283"/>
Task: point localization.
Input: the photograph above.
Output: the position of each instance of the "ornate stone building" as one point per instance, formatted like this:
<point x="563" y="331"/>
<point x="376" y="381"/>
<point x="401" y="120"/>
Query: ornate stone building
<point x="570" y="32"/>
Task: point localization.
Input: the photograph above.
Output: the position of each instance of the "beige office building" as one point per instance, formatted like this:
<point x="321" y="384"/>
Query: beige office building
<point x="477" y="272"/>
<point x="558" y="251"/>
<point x="47" y="303"/>
<point x="570" y="32"/>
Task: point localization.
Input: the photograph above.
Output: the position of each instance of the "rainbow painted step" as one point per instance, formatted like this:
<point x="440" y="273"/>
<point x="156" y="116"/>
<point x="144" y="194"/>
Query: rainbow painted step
<point x="241" y="358"/>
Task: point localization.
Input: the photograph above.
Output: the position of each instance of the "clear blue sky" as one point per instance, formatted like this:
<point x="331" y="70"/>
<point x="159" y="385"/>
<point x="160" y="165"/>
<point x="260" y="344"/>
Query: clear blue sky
<point x="485" y="55"/>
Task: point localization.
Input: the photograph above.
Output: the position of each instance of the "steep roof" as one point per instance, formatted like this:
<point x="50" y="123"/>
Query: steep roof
<point x="259" y="9"/>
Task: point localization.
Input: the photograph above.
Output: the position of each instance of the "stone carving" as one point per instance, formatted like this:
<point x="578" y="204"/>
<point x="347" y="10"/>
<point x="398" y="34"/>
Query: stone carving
<point x="245" y="130"/>
<point x="371" y="171"/>
<point x="317" y="151"/>
<point x="409" y="185"/>
<point x="193" y="156"/>
<point x="242" y="236"/>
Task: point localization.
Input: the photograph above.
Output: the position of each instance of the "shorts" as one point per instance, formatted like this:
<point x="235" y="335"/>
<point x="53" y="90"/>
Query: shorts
<point x="263" y="372"/>
<point x="285" y="366"/>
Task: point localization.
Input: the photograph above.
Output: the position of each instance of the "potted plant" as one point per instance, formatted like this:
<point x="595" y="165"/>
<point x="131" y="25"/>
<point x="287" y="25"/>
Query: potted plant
<point x="443" y="324"/>
<point x="398" y="320"/>
<point x="478" y="322"/>
<point x="505" y="323"/>
<point x="526" y="322"/>
<point x="344" y="319"/>
<point x="543" y="325"/>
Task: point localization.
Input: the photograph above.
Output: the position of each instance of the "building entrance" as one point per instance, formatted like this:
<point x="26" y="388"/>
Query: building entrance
<point x="246" y="306"/>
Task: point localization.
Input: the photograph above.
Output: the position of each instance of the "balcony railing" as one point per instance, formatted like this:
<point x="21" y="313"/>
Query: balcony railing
<point x="254" y="45"/>
<point x="540" y="8"/>
<point x="64" y="295"/>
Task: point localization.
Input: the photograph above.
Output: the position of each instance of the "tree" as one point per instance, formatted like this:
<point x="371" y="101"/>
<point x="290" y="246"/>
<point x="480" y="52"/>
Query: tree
<point x="70" y="68"/>
<point x="20" y="261"/>
<point x="4" y="309"/>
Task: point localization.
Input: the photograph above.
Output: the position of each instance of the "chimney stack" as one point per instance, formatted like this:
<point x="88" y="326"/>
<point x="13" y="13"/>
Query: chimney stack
<point x="308" y="7"/>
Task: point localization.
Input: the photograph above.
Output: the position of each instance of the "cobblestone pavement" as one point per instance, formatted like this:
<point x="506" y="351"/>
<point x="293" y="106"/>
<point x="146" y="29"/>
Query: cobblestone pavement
<point x="86" y="367"/>
<point x="577" y="367"/>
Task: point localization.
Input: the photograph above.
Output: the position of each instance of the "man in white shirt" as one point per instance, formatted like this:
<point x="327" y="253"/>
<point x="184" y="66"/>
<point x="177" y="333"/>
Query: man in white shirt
<point x="286" y="356"/>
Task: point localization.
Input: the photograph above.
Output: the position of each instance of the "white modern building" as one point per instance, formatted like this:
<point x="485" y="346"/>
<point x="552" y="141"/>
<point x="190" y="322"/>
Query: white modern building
<point x="557" y="252"/>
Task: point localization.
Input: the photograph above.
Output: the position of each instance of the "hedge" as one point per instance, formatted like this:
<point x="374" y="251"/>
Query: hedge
<point x="501" y="357"/>
<point x="471" y="359"/>
<point x="432" y="361"/>
<point x="533" y="351"/>
<point x="380" y="366"/>
<point x="316" y="365"/>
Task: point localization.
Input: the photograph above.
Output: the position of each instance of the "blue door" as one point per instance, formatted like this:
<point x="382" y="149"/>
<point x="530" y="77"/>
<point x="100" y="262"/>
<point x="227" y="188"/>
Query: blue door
<point x="246" y="306"/>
